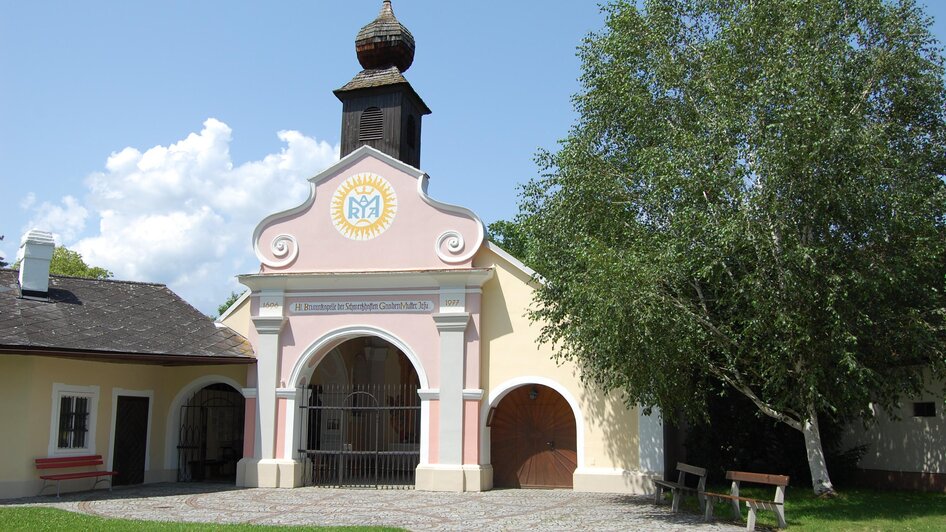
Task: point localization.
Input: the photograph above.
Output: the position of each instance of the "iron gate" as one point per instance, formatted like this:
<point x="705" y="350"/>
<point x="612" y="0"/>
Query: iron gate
<point x="364" y="436"/>
<point x="210" y="438"/>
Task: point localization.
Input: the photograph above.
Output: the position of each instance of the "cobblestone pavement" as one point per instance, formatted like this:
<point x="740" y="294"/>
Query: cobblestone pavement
<point x="414" y="510"/>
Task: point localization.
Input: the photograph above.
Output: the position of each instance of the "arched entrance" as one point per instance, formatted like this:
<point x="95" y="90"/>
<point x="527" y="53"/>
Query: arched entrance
<point x="361" y="417"/>
<point x="210" y="435"/>
<point x="533" y="441"/>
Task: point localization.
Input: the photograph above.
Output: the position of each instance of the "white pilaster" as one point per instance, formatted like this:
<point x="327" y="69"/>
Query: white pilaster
<point x="452" y="327"/>
<point x="267" y="367"/>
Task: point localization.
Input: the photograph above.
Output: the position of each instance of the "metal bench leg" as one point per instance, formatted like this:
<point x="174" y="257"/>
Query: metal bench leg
<point x="58" y="482"/>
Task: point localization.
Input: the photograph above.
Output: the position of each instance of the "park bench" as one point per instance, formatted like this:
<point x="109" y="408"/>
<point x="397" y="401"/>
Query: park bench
<point x="777" y="505"/>
<point x="680" y="487"/>
<point x="73" y="462"/>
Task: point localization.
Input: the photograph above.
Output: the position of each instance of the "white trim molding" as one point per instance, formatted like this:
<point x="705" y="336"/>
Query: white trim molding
<point x="248" y="393"/>
<point x="496" y="395"/>
<point x="116" y="393"/>
<point x="429" y="394"/>
<point x="58" y="391"/>
<point x="472" y="394"/>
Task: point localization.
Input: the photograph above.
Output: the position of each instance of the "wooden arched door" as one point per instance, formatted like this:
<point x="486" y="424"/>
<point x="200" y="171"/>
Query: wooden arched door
<point x="532" y="439"/>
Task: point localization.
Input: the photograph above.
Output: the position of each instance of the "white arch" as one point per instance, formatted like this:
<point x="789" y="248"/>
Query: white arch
<point x="496" y="395"/>
<point x="333" y="338"/>
<point x="174" y="415"/>
<point x="322" y="346"/>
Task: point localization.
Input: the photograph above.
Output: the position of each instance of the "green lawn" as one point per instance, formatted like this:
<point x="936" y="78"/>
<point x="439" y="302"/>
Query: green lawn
<point x="38" y="518"/>
<point x="854" y="509"/>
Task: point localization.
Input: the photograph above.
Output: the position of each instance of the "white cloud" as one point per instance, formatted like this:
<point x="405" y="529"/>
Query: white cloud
<point x="183" y="214"/>
<point x="66" y="220"/>
<point x="28" y="201"/>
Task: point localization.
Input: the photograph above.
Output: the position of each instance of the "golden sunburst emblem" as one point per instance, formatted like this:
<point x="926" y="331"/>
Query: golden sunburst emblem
<point x="363" y="206"/>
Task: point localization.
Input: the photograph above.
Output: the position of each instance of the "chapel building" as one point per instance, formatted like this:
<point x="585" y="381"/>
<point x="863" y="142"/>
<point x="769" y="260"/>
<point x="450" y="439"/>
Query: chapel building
<point x="392" y="342"/>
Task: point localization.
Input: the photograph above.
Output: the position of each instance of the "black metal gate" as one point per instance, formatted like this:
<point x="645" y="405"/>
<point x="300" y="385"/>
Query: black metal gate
<point x="210" y="440"/>
<point x="364" y="436"/>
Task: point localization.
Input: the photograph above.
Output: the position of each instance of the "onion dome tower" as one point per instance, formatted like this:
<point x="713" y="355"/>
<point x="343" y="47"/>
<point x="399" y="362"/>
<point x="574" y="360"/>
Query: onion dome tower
<point x="379" y="106"/>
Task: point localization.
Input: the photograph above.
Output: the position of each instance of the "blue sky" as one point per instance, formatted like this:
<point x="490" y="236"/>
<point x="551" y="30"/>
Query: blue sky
<point x="152" y="136"/>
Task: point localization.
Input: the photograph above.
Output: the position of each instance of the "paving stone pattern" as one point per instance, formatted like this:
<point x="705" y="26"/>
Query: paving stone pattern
<point x="414" y="510"/>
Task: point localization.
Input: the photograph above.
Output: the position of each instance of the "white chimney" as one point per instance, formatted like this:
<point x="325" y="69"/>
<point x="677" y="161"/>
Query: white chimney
<point x="36" y="250"/>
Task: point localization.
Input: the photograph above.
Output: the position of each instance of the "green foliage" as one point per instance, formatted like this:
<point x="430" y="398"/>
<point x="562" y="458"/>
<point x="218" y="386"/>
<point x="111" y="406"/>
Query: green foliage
<point x="226" y="304"/>
<point x="753" y="194"/>
<point x="70" y="263"/>
<point x="510" y="236"/>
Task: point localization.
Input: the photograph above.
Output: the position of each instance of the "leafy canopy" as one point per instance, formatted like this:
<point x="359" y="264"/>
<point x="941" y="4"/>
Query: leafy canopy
<point x="753" y="194"/>
<point x="70" y="263"/>
<point x="227" y="304"/>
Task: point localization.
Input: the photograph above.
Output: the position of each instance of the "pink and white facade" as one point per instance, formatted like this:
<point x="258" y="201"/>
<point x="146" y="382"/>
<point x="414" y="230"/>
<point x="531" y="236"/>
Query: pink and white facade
<point x="370" y="254"/>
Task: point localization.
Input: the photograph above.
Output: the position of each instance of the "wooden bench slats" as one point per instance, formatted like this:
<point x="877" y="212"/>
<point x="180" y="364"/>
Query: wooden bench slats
<point x="758" y="478"/>
<point x="85" y="474"/>
<point x="679" y="487"/>
<point x="71" y="462"/>
<point x="777" y="505"/>
<point x="698" y="471"/>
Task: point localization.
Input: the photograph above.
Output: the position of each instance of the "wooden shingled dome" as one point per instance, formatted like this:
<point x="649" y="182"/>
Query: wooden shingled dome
<point x="385" y="42"/>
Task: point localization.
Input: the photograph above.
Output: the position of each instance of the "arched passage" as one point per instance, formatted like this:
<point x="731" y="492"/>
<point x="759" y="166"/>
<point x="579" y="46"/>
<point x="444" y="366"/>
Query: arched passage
<point x="210" y="434"/>
<point x="533" y="439"/>
<point x="360" y="416"/>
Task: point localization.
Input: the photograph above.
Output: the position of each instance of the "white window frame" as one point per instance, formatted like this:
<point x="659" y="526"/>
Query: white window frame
<point x="61" y="390"/>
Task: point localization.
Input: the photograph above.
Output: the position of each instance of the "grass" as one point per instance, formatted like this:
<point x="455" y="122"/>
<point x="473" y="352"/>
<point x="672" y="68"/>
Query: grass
<point x="39" y="518"/>
<point x="852" y="510"/>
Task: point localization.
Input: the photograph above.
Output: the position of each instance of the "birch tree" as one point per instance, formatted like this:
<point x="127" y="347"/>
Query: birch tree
<point x="753" y="193"/>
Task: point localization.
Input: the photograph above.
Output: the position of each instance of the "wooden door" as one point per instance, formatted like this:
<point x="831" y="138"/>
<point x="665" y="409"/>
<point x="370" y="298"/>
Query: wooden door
<point x="533" y="443"/>
<point x="131" y="440"/>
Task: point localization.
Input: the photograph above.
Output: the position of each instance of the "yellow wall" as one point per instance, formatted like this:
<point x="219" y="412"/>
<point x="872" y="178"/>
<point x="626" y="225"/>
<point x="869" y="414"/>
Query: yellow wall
<point x="239" y="319"/>
<point x="510" y="350"/>
<point x="26" y="385"/>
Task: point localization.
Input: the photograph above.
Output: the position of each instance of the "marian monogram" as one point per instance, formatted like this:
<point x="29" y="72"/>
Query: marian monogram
<point x="363" y="206"/>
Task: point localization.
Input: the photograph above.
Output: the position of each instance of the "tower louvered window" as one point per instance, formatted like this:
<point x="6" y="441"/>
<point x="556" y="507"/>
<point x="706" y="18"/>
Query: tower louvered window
<point x="371" y="126"/>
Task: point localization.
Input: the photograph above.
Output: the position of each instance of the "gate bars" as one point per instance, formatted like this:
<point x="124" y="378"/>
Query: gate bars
<point x="365" y="436"/>
<point x="210" y="437"/>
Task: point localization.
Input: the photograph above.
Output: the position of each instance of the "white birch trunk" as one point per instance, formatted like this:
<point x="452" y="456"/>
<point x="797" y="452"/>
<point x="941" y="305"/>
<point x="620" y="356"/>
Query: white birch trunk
<point x="820" y="480"/>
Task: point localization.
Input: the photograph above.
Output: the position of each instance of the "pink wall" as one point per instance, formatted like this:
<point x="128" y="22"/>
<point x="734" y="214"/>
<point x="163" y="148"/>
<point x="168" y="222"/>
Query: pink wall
<point x="434" y="440"/>
<point x="418" y="331"/>
<point x="281" y="404"/>
<point x="249" y="427"/>
<point x="471" y="432"/>
<point x="409" y="243"/>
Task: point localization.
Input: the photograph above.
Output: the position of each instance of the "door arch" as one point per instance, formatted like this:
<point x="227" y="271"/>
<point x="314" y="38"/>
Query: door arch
<point x="210" y="434"/>
<point x="533" y="439"/>
<point x="360" y="417"/>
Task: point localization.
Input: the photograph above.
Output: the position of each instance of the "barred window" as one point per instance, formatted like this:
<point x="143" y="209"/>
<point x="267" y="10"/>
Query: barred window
<point x="73" y="422"/>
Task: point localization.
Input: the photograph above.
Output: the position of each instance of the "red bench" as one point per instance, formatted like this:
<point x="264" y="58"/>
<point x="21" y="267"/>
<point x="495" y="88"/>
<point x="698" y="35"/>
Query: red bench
<point x="72" y="462"/>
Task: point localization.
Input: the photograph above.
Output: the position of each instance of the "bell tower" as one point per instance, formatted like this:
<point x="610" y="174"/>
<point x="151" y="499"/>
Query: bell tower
<point x="379" y="106"/>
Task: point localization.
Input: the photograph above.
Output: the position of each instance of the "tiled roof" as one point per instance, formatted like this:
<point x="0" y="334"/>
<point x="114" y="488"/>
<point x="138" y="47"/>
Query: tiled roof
<point x="377" y="77"/>
<point x="113" y="319"/>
